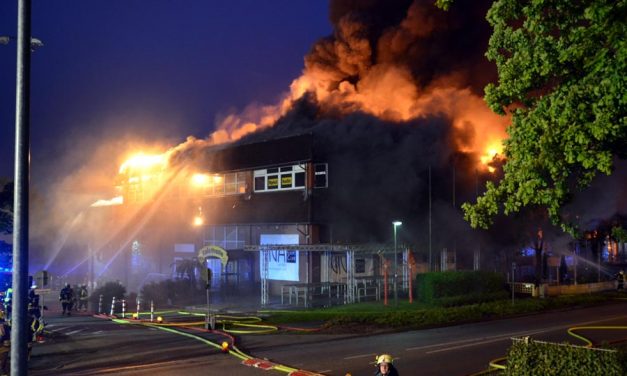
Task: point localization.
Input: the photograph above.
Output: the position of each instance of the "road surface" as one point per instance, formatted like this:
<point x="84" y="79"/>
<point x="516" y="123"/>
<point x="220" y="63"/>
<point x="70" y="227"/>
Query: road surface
<point x="84" y="345"/>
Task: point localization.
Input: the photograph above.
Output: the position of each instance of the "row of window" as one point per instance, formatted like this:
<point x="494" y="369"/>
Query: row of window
<point x="220" y="184"/>
<point x="264" y="180"/>
<point x="280" y="178"/>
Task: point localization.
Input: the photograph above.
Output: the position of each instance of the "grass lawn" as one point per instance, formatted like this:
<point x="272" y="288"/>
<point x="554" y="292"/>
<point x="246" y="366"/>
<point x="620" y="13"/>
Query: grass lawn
<point x="420" y="315"/>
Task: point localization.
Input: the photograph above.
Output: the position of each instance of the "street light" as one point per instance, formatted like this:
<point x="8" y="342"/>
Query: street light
<point x="34" y="42"/>
<point x="395" y="224"/>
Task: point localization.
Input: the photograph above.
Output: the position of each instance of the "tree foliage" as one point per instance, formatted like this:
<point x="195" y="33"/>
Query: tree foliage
<point x="6" y="207"/>
<point x="562" y="75"/>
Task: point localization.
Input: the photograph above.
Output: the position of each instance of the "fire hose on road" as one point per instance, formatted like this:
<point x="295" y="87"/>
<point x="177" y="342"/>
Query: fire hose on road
<point x="252" y="325"/>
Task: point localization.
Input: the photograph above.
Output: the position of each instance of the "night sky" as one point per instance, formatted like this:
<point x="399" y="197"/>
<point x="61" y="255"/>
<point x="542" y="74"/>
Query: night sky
<point x="154" y="70"/>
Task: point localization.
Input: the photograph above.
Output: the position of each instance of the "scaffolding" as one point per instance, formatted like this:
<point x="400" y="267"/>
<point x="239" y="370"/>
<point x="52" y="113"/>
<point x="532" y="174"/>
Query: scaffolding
<point x="352" y="288"/>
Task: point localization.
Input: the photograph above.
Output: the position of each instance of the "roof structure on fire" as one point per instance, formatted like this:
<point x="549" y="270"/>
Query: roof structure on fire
<point x="258" y="154"/>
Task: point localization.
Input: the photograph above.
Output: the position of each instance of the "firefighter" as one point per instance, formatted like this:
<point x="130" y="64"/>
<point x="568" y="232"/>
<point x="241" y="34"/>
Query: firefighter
<point x="620" y="278"/>
<point x="35" y="331"/>
<point x="82" y="298"/>
<point x="5" y="344"/>
<point x="385" y="366"/>
<point x="33" y="303"/>
<point x="67" y="299"/>
<point x="8" y="297"/>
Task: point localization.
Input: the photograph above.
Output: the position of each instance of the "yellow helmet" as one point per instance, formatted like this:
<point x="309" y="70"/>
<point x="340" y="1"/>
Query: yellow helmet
<point x="385" y="358"/>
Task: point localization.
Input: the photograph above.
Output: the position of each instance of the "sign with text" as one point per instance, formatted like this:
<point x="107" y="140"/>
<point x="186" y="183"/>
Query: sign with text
<point x="282" y="264"/>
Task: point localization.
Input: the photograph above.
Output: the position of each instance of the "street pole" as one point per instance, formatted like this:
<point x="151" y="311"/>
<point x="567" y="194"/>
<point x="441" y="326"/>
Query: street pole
<point x="599" y="265"/>
<point x="19" y="334"/>
<point x="430" y="260"/>
<point x="395" y="270"/>
<point x="395" y="224"/>
<point x="513" y="280"/>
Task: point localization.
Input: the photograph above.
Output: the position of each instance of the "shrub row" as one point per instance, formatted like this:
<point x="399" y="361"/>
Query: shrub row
<point x="457" y="286"/>
<point x="535" y="358"/>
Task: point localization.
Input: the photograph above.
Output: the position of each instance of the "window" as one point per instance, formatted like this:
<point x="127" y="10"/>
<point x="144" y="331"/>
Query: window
<point x="241" y="182"/>
<point x="320" y="175"/>
<point x="280" y="178"/>
<point x="260" y="183"/>
<point x="299" y="179"/>
<point x="227" y="237"/>
<point x="231" y="183"/>
<point x="273" y="181"/>
<point x="286" y="181"/>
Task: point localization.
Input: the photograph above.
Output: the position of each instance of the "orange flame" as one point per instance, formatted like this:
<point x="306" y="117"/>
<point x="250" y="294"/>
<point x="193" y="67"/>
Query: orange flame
<point x="142" y="162"/>
<point x="491" y="152"/>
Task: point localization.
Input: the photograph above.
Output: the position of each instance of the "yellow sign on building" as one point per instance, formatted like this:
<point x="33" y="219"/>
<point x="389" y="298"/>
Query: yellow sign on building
<point x="213" y="251"/>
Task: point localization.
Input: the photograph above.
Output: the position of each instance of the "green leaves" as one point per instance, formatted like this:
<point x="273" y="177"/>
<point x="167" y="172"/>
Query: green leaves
<point x="563" y="73"/>
<point x="534" y="358"/>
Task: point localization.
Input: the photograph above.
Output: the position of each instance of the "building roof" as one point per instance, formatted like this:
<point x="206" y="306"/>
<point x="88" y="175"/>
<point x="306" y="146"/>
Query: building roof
<point x="258" y="154"/>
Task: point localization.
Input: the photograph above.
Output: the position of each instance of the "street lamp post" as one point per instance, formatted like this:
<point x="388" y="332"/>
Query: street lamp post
<point x="395" y="224"/>
<point x="19" y="334"/>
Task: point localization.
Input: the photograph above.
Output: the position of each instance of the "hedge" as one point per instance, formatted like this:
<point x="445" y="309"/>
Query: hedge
<point x="452" y="285"/>
<point x="534" y="358"/>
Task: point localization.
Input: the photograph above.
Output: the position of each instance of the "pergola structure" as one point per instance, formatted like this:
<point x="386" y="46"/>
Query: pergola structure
<point x="348" y="286"/>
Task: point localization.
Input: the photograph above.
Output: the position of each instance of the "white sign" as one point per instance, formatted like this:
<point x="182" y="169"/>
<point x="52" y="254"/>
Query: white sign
<point x="184" y="248"/>
<point x="282" y="264"/>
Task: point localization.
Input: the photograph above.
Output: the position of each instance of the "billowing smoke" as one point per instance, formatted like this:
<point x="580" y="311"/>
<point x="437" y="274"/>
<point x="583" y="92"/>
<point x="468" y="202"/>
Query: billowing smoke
<point x="398" y="61"/>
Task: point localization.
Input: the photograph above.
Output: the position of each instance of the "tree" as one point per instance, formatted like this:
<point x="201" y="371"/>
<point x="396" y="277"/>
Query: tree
<point x="6" y="207"/>
<point x="562" y="69"/>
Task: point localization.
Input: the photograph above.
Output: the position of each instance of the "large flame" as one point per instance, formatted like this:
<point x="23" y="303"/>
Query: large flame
<point x="140" y="162"/>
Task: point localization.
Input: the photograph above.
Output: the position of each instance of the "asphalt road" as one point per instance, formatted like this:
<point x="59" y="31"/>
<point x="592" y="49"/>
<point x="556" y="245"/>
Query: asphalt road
<point x="84" y="345"/>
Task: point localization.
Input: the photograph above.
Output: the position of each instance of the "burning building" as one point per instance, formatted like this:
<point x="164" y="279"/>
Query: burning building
<point x="385" y="123"/>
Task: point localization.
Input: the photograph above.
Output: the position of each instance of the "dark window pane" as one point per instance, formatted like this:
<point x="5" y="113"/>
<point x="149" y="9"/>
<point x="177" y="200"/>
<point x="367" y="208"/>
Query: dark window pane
<point x="320" y="167"/>
<point x="320" y="175"/>
<point x="360" y="265"/>
<point x="320" y="181"/>
<point x="260" y="183"/>
<point x="273" y="170"/>
<point x="288" y="168"/>
<point x="299" y="179"/>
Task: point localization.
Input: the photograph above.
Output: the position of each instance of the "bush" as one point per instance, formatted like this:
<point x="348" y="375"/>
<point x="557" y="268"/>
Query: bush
<point x="471" y="299"/>
<point x="535" y="358"/>
<point x="172" y="292"/>
<point x="482" y="286"/>
<point x="108" y="291"/>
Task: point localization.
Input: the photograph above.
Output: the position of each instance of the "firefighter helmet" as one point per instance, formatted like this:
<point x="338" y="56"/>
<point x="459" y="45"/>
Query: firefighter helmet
<point x="384" y="358"/>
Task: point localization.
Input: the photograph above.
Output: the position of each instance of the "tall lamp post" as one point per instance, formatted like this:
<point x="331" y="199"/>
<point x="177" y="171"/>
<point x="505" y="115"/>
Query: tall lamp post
<point x="25" y="44"/>
<point x="395" y="224"/>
